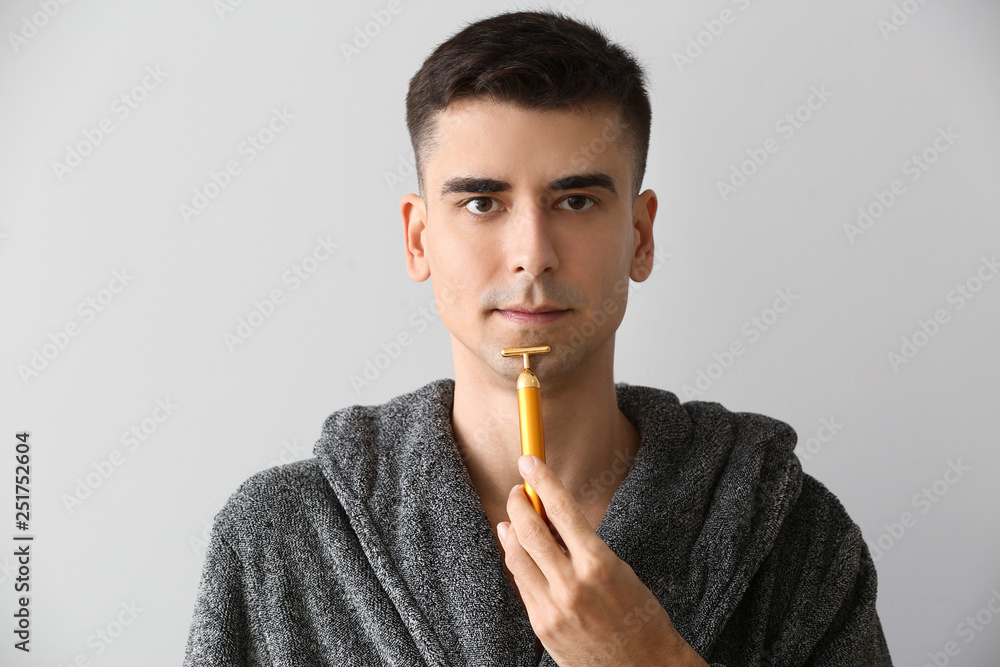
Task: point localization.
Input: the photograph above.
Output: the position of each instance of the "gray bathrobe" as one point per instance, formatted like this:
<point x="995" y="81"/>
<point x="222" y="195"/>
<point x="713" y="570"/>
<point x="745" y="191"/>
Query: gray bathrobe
<point x="376" y="551"/>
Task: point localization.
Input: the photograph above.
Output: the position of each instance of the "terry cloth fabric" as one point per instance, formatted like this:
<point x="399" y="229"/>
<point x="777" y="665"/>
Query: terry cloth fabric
<point x="377" y="551"/>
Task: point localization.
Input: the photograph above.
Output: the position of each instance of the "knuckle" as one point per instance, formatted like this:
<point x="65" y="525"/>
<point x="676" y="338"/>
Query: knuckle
<point x="593" y="568"/>
<point x="552" y="624"/>
<point x="572" y="594"/>
<point x="536" y="479"/>
<point x="528" y="534"/>
<point x="554" y="627"/>
<point x="560" y="507"/>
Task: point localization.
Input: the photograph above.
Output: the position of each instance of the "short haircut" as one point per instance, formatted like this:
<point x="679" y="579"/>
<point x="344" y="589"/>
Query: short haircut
<point x="534" y="60"/>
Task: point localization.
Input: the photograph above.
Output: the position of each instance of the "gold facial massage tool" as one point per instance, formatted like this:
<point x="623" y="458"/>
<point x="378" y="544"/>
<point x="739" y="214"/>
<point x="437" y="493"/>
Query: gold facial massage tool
<point x="529" y="412"/>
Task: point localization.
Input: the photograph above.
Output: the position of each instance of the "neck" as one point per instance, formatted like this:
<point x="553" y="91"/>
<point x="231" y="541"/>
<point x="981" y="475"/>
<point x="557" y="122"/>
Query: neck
<point x="589" y="442"/>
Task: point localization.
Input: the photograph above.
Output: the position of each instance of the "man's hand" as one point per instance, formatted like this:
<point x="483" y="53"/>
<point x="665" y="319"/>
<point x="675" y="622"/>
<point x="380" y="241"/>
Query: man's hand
<point x="585" y="604"/>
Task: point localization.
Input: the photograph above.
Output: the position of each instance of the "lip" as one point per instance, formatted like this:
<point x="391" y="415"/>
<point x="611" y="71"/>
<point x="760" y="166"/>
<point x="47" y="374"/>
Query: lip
<point x="519" y="317"/>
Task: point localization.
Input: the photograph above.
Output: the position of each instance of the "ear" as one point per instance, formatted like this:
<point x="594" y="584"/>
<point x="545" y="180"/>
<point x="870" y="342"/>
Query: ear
<point x="643" y="214"/>
<point x="414" y="224"/>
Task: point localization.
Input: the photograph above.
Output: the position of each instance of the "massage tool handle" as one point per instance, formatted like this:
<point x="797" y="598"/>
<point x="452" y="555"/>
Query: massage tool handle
<point x="529" y="412"/>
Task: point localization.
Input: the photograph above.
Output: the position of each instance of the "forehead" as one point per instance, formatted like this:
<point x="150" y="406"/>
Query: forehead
<point x="474" y="135"/>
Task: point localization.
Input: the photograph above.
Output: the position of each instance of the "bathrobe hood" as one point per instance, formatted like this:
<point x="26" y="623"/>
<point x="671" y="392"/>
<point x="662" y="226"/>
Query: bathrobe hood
<point x="695" y="517"/>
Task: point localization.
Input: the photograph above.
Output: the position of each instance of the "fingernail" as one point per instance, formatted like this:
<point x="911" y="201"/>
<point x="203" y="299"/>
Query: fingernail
<point x="526" y="463"/>
<point x="502" y="531"/>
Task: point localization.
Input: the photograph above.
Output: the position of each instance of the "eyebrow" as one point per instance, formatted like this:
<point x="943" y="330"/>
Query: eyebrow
<point x="481" y="185"/>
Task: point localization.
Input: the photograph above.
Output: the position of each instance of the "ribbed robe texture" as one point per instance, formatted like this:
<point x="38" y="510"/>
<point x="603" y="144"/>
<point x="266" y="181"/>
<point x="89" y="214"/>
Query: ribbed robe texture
<point x="377" y="551"/>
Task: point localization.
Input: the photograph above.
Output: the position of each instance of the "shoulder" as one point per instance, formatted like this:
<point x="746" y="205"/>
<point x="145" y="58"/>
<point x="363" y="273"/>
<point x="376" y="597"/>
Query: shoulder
<point x="760" y="447"/>
<point x="296" y="478"/>
<point x="820" y="560"/>
<point x="815" y="527"/>
<point x="703" y="423"/>
<point x="817" y="520"/>
<point x="825" y="582"/>
<point x="716" y="420"/>
<point x="820" y="531"/>
<point x="274" y="500"/>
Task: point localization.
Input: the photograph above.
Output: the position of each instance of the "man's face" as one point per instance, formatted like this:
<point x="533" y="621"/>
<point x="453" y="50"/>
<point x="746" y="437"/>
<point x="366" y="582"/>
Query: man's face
<point x="528" y="208"/>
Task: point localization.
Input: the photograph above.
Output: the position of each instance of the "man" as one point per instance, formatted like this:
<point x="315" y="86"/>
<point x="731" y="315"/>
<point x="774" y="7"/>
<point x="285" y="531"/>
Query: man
<point x="676" y="534"/>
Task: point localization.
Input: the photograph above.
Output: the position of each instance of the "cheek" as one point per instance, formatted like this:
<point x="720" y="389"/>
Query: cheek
<point x="610" y="295"/>
<point x="610" y="310"/>
<point x="472" y="272"/>
<point x="447" y="299"/>
<point x="458" y="293"/>
<point x="452" y="269"/>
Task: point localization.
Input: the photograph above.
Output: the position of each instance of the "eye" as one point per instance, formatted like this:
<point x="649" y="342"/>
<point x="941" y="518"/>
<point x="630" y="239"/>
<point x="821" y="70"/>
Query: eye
<point x="475" y="206"/>
<point x="476" y="209"/>
<point x="579" y="197"/>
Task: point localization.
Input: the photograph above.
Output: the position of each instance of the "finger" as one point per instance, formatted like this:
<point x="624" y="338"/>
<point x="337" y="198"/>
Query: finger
<point x="561" y="508"/>
<point x="540" y="559"/>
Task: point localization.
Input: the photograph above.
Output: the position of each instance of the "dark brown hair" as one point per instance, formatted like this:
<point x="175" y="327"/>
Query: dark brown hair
<point x="535" y="60"/>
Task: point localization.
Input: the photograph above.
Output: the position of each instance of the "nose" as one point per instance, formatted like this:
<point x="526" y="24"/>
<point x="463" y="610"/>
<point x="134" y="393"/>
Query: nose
<point x="529" y="240"/>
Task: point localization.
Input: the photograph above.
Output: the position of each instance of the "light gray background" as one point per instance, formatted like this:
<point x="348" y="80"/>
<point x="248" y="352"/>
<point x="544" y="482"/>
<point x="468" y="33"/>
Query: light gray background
<point x="139" y="536"/>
